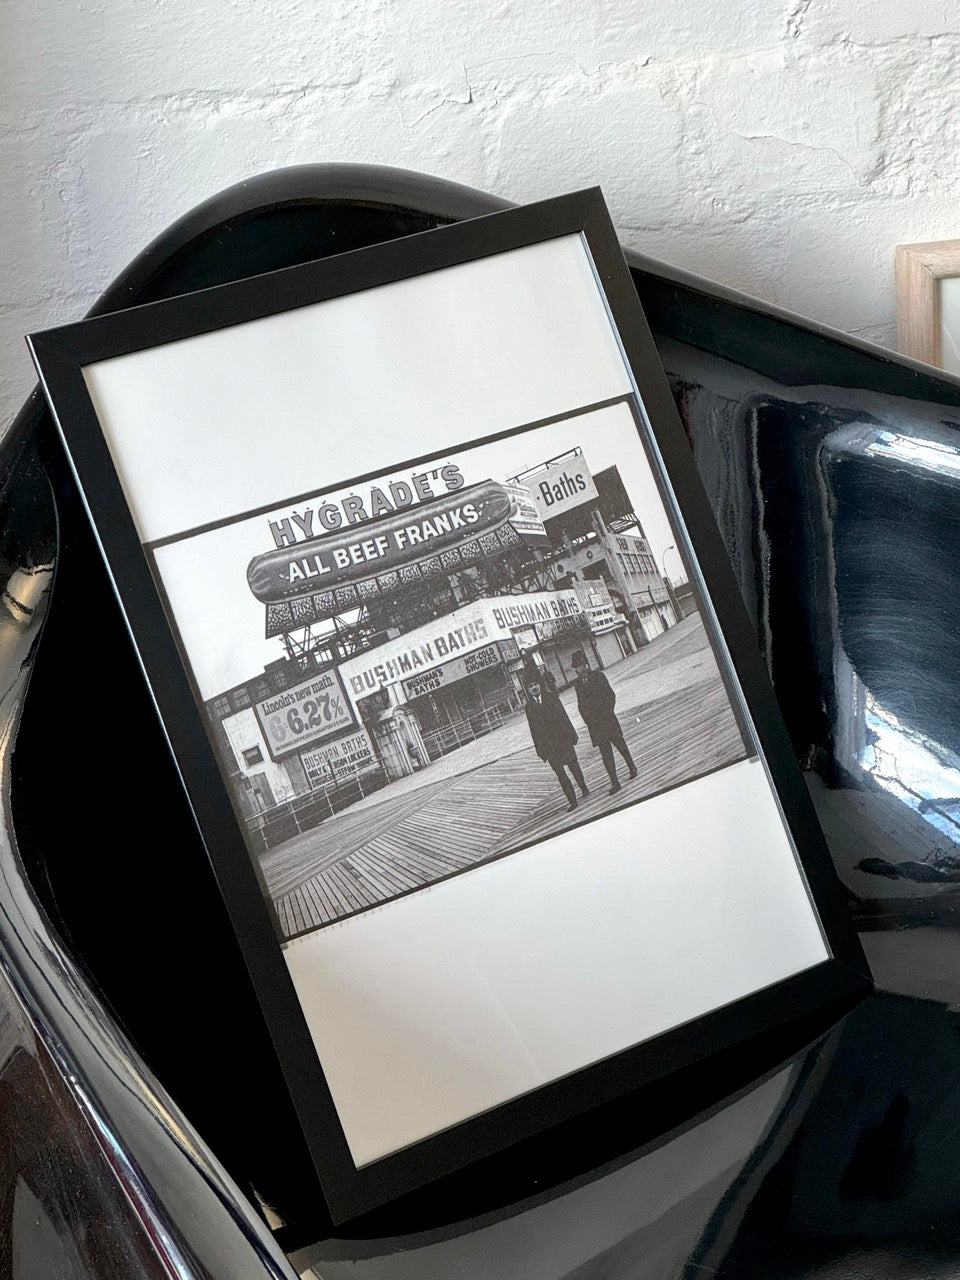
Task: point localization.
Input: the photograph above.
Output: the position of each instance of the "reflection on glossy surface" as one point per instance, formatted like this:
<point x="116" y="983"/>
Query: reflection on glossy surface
<point x="843" y="1165"/>
<point x="840" y="508"/>
<point x="923" y="775"/>
<point x="99" y="1178"/>
<point x="62" y="1211"/>
<point x="833" y="472"/>
<point x="655" y="1207"/>
<point x="899" y="712"/>
<point x="870" y="1175"/>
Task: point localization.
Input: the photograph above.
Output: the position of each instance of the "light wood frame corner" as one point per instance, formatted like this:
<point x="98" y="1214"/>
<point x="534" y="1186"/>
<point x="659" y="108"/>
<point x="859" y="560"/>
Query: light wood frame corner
<point x="919" y="270"/>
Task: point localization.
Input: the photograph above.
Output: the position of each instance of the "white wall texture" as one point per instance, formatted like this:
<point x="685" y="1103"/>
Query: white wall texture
<point x="780" y="146"/>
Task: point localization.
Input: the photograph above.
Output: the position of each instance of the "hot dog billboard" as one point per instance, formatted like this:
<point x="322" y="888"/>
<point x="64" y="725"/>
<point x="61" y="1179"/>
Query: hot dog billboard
<point x="334" y="553"/>
<point x="378" y="546"/>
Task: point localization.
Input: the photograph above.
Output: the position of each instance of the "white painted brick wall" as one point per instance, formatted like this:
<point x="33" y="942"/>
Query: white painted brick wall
<point x="781" y="146"/>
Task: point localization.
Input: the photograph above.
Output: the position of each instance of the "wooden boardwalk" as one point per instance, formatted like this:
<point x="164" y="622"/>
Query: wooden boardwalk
<point x="361" y="858"/>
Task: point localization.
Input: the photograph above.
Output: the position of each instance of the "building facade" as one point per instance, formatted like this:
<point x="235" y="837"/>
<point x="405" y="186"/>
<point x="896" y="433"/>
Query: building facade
<point x="396" y="657"/>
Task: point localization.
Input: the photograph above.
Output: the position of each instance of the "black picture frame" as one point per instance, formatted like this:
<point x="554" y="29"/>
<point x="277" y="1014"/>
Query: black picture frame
<point x="63" y="355"/>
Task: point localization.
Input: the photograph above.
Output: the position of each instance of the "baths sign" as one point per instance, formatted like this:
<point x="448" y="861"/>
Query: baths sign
<point x="562" y="485"/>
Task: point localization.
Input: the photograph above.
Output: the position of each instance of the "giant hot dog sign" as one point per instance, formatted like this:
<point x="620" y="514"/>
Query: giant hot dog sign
<point x="328" y="552"/>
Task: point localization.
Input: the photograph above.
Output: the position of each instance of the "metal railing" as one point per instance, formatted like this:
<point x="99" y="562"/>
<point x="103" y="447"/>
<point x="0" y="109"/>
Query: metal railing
<point x="447" y="738"/>
<point x="293" y="817"/>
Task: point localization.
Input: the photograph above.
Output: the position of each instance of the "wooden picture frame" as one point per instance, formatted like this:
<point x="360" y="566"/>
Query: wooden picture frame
<point x="928" y="302"/>
<point x="450" y="396"/>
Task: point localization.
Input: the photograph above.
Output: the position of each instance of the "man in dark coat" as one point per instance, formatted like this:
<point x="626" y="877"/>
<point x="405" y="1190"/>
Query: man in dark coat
<point x="554" y="737"/>
<point x="595" y="702"/>
<point x="533" y="671"/>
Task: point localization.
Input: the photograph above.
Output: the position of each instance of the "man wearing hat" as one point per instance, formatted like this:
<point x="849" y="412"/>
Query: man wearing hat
<point x="554" y="736"/>
<point x="595" y="702"/>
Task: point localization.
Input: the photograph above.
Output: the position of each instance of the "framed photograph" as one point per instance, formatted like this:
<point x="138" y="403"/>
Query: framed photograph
<point x="928" y="302"/>
<point x="505" y="818"/>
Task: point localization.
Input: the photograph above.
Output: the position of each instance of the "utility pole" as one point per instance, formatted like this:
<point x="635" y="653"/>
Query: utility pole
<point x="677" y="612"/>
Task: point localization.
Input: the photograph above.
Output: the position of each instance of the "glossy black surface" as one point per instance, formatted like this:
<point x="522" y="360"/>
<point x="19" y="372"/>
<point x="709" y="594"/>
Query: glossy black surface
<point x="833" y="471"/>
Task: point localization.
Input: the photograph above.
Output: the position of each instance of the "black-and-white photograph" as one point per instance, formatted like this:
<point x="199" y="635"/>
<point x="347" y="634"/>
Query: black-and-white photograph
<point x="453" y="660"/>
<point x="445" y="645"/>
